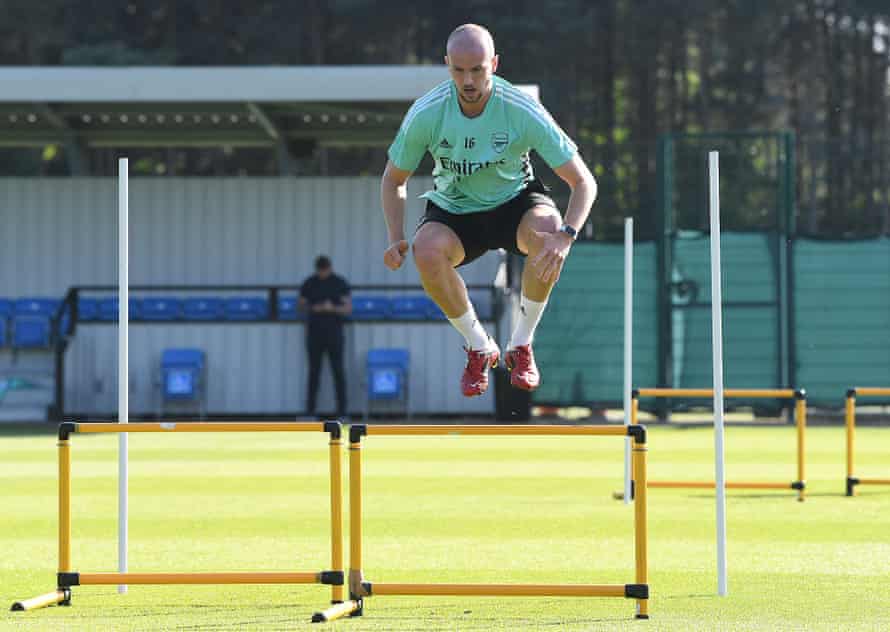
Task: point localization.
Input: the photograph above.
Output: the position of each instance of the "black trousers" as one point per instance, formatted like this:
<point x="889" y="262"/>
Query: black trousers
<point x="317" y="346"/>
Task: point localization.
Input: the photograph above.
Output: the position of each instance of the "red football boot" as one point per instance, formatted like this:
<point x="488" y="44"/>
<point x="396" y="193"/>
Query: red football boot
<point x="523" y="370"/>
<point x="475" y="378"/>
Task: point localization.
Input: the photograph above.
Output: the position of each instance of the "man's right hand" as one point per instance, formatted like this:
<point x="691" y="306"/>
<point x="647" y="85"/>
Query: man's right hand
<point x="394" y="256"/>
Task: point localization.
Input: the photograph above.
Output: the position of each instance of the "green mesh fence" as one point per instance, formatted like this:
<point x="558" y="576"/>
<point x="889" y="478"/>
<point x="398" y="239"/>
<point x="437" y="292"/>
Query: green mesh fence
<point x="579" y="345"/>
<point x="797" y="313"/>
<point x="840" y="319"/>
<point x="841" y="316"/>
<point x="750" y="311"/>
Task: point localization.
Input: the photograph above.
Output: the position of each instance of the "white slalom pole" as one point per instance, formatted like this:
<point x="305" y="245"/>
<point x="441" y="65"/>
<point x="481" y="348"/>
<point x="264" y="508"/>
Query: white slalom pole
<point x="717" y="348"/>
<point x="123" y="372"/>
<point x="628" y="345"/>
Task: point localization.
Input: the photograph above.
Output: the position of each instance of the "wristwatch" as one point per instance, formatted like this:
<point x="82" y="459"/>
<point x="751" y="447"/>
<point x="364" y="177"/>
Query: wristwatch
<point x="568" y="230"/>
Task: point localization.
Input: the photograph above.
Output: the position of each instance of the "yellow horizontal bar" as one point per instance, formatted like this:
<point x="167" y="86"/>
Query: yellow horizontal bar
<point x="873" y="481"/>
<point x="49" y="599"/>
<point x="200" y="578"/>
<point x="871" y="390"/>
<point x="707" y="393"/>
<point x="711" y="485"/>
<point x="497" y="430"/>
<point x="189" y="426"/>
<point x="502" y="590"/>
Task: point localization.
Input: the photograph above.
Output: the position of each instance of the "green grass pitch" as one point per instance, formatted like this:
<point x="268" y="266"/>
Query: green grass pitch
<point x="453" y="509"/>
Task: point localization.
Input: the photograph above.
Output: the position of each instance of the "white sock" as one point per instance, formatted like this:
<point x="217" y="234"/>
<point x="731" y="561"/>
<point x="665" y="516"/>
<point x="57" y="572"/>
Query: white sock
<point x="529" y="316"/>
<point x="471" y="329"/>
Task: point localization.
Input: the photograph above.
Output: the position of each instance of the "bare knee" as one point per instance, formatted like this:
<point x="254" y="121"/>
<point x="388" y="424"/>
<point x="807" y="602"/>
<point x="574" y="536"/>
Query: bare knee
<point x="534" y="228"/>
<point x="430" y="255"/>
<point x="436" y="247"/>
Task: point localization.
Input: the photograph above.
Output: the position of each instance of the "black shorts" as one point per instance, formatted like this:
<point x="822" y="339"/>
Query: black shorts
<point x="493" y="229"/>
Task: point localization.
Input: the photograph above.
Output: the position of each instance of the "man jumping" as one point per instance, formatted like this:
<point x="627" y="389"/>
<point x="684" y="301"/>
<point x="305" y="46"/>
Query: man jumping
<point x="479" y="130"/>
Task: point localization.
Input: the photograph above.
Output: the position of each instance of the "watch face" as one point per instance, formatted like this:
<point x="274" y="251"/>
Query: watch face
<point x="568" y="230"/>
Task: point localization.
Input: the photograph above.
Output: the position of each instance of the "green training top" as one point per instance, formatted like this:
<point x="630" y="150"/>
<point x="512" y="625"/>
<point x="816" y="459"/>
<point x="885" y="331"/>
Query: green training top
<point x="481" y="162"/>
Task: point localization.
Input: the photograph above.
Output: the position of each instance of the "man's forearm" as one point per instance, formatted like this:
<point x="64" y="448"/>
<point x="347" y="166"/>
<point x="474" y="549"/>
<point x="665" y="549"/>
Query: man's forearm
<point x="580" y="201"/>
<point x="392" y="198"/>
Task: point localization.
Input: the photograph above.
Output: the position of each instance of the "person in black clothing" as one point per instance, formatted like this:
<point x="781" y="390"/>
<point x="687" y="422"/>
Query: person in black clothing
<point x="325" y="299"/>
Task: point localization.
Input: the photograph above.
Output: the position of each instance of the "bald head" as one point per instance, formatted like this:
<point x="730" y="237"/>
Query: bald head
<point x="471" y="61"/>
<point x="470" y="38"/>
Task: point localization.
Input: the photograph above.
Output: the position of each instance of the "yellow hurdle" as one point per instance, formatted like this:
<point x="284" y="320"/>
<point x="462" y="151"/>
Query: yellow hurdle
<point x="67" y="578"/>
<point x="361" y="589"/>
<point x="501" y="590"/>
<point x="188" y="426"/>
<point x="615" y="431"/>
<point x="850" y="422"/>
<point x="800" y="416"/>
<point x="268" y="577"/>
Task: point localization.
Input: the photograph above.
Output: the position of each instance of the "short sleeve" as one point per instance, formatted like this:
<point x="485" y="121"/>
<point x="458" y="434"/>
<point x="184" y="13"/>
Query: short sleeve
<point x="548" y="139"/>
<point x="410" y="144"/>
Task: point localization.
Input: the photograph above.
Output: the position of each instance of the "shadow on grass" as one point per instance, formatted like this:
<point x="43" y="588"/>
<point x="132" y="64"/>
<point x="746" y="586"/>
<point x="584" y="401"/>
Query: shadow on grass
<point x="284" y="616"/>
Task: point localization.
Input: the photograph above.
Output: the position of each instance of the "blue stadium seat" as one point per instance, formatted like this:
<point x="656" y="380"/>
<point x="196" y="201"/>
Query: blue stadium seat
<point x="387" y="377"/>
<point x="36" y="306"/>
<point x="183" y="380"/>
<point x="5" y="315"/>
<point x="370" y="307"/>
<point x="87" y="309"/>
<point x="31" y="322"/>
<point x="206" y="308"/>
<point x="416" y="307"/>
<point x="108" y="309"/>
<point x="247" y="308"/>
<point x="161" y="308"/>
<point x="30" y="332"/>
<point x="287" y="308"/>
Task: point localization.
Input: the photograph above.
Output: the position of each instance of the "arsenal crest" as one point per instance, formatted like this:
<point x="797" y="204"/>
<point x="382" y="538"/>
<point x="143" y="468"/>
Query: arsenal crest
<point x="499" y="141"/>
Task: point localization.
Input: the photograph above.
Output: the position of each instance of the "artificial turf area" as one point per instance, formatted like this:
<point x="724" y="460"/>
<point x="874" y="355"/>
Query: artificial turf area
<point x="453" y="509"/>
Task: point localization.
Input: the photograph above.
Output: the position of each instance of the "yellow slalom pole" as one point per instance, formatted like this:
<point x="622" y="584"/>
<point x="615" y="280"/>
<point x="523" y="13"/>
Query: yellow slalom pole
<point x="356" y="579"/>
<point x="64" y="505"/>
<point x="640" y="520"/>
<point x="800" y="414"/>
<point x="850" y="418"/>
<point x="336" y="446"/>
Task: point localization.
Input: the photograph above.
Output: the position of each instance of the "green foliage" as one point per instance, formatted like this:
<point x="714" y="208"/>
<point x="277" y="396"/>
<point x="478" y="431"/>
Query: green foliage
<point x="615" y="73"/>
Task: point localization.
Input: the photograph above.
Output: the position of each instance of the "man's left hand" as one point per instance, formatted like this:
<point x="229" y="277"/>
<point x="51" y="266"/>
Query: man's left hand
<point x="548" y="263"/>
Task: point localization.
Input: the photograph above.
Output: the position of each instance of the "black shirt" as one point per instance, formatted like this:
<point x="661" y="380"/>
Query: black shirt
<point x="316" y="290"/>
